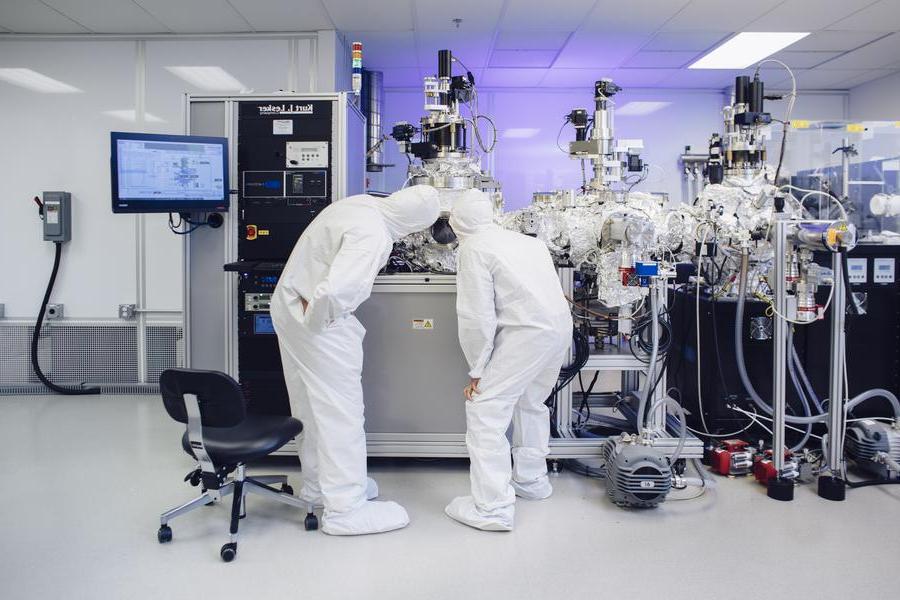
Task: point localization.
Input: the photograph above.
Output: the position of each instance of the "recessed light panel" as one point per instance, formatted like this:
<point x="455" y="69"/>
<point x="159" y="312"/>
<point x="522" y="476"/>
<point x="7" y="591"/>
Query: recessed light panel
<point x="747" y="48"/>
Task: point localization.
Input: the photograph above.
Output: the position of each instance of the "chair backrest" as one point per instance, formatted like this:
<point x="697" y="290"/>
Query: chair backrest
<point x="218" y="395"/>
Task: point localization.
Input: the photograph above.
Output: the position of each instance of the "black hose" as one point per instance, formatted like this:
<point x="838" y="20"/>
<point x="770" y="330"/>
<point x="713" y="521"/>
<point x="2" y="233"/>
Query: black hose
<point x="568" y="372"/>
<point x="871" y="482"/>
<point x="37" y="334"/>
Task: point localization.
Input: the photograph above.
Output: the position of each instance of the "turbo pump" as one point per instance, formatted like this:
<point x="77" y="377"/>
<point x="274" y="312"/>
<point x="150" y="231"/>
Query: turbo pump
<point x="741" y="149"/>
<point x="441" y="141"/>
<point x="595" y="140"/>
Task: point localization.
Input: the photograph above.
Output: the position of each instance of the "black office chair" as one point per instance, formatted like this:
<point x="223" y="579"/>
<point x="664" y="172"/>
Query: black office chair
<point x="222" y="437"/>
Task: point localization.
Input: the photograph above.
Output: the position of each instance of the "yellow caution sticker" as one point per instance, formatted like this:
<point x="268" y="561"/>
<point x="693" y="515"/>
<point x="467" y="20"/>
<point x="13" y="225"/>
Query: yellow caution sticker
<point x="800" y="124"/>
<point x="856" y="127"/>
<point x="423" y="324"/>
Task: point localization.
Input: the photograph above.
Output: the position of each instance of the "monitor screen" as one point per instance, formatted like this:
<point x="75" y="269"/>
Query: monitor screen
<point x="168" y="173"/>
<point x="262" y="325"/>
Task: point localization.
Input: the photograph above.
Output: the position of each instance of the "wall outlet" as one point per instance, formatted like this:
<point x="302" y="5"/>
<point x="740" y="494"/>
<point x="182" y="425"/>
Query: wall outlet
<point x="54" y="311"/>
<point x="127" y="311"/>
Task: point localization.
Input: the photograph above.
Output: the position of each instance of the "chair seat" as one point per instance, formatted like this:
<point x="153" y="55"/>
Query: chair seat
<point x="256" y="437"/>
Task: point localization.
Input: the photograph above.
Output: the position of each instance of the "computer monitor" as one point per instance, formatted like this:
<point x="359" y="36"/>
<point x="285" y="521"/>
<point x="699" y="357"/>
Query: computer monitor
<point x="168" y="173"/>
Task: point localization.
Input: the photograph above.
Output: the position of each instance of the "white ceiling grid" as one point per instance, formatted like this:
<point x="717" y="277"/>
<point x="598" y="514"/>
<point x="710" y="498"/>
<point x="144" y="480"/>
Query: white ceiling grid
<point x="522" y="43"/>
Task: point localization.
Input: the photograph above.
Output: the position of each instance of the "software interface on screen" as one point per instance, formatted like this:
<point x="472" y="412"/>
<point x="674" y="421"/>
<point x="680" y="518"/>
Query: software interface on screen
<point x="149" y="170"/>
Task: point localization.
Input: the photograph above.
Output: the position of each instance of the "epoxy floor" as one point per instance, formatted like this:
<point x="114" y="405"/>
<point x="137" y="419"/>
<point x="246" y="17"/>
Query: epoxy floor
<point x="84" y="479"/>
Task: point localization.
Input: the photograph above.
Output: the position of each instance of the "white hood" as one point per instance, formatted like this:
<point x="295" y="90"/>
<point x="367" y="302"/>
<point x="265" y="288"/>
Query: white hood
<point x="471" y="213"/>
<point x="410" y="210"/>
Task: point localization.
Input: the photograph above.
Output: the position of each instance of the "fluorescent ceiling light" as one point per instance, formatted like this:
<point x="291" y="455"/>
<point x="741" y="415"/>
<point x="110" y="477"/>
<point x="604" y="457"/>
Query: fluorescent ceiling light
<point x="520" y="132"/>
<point x="127" y="114"/>
<point x="211" y="79"/>
<point x="747" y="48"/>
<point x="36" y="82"/>
<point x="637" y="109"/>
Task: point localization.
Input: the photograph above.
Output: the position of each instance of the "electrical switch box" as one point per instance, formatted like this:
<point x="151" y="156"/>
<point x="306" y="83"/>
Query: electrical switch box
<point x="57" y="216"/>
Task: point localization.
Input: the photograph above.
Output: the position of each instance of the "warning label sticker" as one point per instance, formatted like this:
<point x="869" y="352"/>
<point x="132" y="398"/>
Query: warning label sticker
<point x="423" y="324"/>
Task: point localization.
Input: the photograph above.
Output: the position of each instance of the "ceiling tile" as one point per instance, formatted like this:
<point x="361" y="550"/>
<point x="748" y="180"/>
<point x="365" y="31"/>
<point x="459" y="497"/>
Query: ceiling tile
<point x="476" y="15"/>
<point x="109" y="16"/>
<point x="881" y="16"/>
<point x="835" y="41"/>
<point x="661" y="60"/>
<point x="472" y="49"/>
<point x="599" y="51"/>
<point x="385" y="15"/>
<point x="635" y="78"/>
<point x="283" y="15"/>
<point x="637" y="15"/>
<point x="816" y="79"/>
<point x="798" y="15"/>
<point x="196" y="16"/>
<point x="700" y="78"/>
<point x="403" y="77"/>
<point x="545" y="15"/>
<point x="804" y="60"/>
<point x="494" y="77"/>
<point x="30" y="16"/>
<point x="522" y="58"/>
<point x="685" y="41"/>
<point x="867" y="76"/>
<point x="531" y="40"/>
<point x="881" y="53"/>
<point x="386" y="50"/>
<point x="573" y="78"/>
<point x="719" y="15"/>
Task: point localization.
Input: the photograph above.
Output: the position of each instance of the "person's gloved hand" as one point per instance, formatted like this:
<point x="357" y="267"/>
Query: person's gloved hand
<point x="472" y="390"/>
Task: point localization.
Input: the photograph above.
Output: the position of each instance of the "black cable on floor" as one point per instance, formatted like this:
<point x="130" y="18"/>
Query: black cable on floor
<point x="37" y="334"/>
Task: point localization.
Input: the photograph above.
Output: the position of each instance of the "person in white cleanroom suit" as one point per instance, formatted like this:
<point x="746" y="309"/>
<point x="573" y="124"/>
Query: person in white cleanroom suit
<point x="515" y="330"/>
<point x="330" y="272"/>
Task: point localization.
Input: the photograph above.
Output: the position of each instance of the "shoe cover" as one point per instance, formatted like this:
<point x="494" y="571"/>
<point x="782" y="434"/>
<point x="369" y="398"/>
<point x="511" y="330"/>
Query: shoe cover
<point x="533" y="490"/>
<point x="463" y="509"/>
<point x="316" y="501"/>
<point x="372" y="517"/>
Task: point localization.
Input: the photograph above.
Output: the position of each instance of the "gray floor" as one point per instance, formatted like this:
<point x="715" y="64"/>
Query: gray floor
<point x="84" y="479"/>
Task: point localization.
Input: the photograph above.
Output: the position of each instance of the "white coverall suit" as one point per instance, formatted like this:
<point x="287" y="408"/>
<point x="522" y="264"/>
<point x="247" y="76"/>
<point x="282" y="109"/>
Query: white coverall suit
<point x="515" y="329"/>
<point x="333" y="268"/>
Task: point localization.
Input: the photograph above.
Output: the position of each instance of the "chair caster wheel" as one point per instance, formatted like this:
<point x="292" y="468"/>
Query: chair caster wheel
<point x="164" y="534"/>
<point x="287" y="489"/>
<point x="228" y="551"/>
<point x="311" y="522"/>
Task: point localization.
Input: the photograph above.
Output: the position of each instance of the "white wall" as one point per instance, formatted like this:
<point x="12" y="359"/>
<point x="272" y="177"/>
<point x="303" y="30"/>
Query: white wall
<point x="527" y="165"/>
<point x="877" y="100"/>
<point x="61" y="142"/>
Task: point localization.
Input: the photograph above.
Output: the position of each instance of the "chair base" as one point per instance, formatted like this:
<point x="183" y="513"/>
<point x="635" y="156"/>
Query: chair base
<point x="239" y="487"/>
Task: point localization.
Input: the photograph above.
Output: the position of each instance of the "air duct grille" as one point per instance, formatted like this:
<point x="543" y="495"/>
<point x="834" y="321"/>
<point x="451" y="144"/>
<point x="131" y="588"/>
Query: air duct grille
<point x="97" y="352"/>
